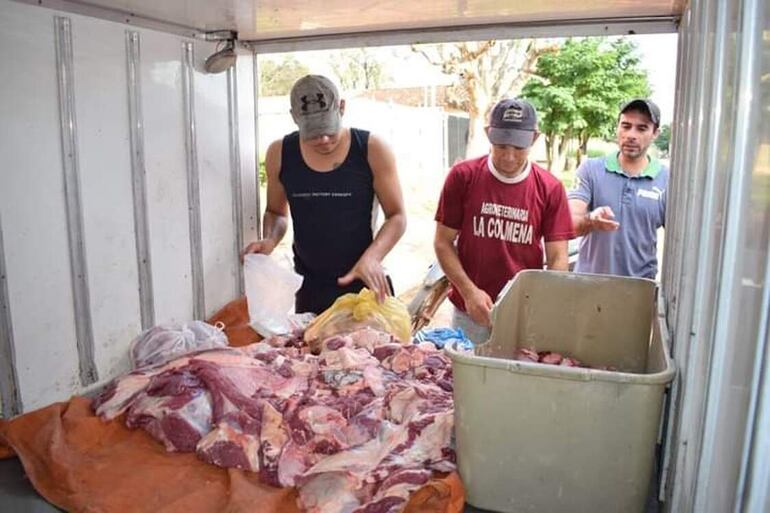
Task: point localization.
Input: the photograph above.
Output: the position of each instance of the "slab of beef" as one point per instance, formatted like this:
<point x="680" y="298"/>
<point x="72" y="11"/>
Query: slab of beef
<point x="175" y="408"/>
<point x="233" y="443"/>
<point x="119" y="394"/>
<point x="357" y="427"/>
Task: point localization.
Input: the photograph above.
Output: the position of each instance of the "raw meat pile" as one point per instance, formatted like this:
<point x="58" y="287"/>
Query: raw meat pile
<point x="525" y="354"/>
<point x="356" y="428"/>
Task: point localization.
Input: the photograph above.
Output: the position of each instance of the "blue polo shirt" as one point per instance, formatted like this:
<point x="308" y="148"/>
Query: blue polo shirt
<point x="639" y="204"/>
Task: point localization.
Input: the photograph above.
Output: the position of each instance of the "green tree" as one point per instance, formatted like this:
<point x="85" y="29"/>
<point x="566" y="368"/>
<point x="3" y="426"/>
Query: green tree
<point x="578" y="89"/>
<point x="485" y="72"/>
<point x="357" y="69"/>
<point x="276" y="76"/>
<point x="663" y="140"/>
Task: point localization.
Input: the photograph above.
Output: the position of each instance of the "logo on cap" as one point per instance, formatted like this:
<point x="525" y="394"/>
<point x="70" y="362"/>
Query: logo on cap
<point x="515" y="113"/>
<point x="319" y="100"/>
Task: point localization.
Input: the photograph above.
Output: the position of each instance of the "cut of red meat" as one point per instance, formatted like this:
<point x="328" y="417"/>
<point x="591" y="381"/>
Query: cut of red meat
<point x="384" y="505"/>
<point x="179" y="425"/>
<point x="551" y="358"/>
<point x="547" y="357"/>
<point x="357" y="428"/>
<point x="234" y="443"/>
<point x="525" y="354"/>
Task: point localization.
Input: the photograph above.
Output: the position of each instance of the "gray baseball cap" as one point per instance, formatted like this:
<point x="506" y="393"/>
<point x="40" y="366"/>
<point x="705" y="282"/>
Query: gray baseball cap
<point x="643" y="105"/>
<point x="315" y="106"/>
<point x="512" y="122"/>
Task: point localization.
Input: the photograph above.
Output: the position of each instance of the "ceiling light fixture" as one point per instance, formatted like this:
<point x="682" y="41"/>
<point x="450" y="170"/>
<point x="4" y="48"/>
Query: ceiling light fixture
<point x="221" y="60"/>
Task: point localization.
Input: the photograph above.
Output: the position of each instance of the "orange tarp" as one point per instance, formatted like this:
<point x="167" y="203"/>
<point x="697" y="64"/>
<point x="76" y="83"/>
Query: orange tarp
<point x="82" y="464"/>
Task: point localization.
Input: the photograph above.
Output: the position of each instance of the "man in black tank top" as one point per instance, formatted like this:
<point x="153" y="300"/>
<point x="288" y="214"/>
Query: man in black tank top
<point x="327" y="176"/>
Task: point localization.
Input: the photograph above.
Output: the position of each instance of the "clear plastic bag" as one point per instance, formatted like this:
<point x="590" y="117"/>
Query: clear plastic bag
<point x="163" y="343"/>
<point x="270" y="290"/>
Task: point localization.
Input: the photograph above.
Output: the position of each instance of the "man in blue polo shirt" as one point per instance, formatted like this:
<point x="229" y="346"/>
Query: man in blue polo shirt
<point x="619" y="201"/>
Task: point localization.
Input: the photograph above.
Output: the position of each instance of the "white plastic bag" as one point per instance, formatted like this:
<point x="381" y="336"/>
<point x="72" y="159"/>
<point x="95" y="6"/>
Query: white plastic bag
<point x="163" y="343"/>
<point x="270" y="290"/>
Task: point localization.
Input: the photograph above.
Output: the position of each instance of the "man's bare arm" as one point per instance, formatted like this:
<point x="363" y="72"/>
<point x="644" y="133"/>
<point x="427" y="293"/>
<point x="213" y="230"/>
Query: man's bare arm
<point x="388" y="190"/>
<point x="274" y="222"/>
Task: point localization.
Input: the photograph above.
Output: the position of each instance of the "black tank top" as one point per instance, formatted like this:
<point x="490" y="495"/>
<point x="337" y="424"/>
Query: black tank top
<point x="331" y="212"/>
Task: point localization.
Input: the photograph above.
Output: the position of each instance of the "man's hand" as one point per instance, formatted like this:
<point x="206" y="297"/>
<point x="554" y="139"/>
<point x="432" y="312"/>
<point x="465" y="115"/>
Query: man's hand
<point x="603" y="219"/>
<point x="369" y="270"/>
<point x="479" y="305"/>
<point x="264" y="246"/>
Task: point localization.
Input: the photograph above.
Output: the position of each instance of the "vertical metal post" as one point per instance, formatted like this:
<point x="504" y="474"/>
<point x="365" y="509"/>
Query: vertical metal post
<point x="139" y="181"/>
<point x="75" y="230"/>
<point x="193" y="182"/>
<point x="235" y="172"/>
<point x="754" y="481"/>
<point x="256" y="144"/>
<point x="9" y="379"/>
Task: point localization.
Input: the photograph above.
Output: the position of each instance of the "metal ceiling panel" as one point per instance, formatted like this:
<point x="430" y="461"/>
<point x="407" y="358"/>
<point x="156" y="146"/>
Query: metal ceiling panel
<point x="264" y="20"/>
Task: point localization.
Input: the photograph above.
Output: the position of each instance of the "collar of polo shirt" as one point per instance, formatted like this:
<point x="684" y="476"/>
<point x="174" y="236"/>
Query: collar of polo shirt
<point x="651" y="171"/>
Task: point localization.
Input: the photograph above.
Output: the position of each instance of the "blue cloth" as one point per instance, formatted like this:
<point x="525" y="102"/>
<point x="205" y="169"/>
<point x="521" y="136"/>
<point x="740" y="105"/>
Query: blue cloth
<point x="443" y="336"/>
<point x="477" y="333"/>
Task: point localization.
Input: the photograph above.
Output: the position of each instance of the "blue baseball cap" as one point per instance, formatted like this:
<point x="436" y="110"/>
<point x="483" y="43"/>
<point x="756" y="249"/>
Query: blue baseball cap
<point x="512" y="122"/>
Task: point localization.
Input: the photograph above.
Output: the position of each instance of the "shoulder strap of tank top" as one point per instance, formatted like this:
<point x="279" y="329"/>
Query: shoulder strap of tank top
<point x="289" y="147"/>
<point x="359" y="139"/>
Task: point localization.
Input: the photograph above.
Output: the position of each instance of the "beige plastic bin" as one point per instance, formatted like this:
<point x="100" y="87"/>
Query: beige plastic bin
<point x="542" y="438"/>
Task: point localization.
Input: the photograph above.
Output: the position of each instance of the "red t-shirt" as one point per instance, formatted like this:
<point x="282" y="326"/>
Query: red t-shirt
<point x="501" y="224"/>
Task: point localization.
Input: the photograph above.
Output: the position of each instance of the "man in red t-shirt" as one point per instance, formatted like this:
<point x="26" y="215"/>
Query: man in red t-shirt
<point x="499" y="208"/>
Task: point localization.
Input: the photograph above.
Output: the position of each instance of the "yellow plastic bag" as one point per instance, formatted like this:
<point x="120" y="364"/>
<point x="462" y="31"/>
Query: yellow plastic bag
<point x="354" y="311"/>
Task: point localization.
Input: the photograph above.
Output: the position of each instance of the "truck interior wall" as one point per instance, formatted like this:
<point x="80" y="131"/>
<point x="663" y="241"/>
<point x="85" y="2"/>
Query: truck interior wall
<point x="716" y="274"/>
<point x="688" y="241"/>
<point x="716" y="256"/>
<point x="173" y="131"/>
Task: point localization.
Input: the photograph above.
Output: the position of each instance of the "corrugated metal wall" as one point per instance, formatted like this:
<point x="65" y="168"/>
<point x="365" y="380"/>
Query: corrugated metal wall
<point x="127" y="186"/>
<point x="717" y="262"/>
